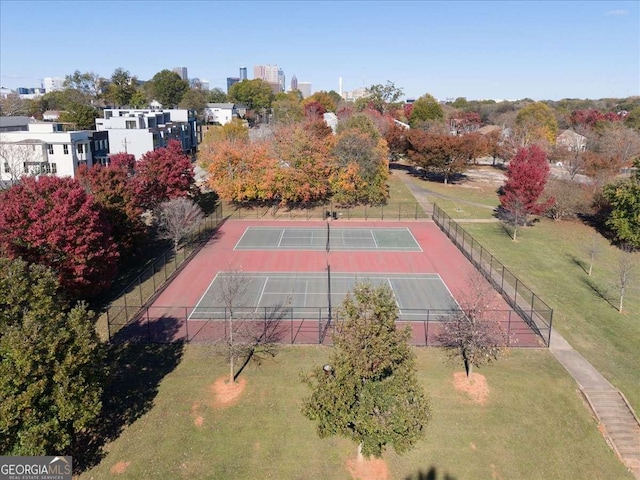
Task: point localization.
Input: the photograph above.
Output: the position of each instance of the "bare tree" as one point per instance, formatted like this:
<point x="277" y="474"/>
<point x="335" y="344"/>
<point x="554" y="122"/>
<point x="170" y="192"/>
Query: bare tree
<point x="248" y="337"/>
<point x="473" y="335"/>
<point x="12" y="105"/>
<point x="592" y="250"/>
<point x="178" y="218"/>
<point x="18" y="159"/>
<point x="625" y="272"/>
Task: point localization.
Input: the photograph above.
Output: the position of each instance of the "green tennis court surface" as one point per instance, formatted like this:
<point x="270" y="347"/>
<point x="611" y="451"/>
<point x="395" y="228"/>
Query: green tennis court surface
<point x="315" y="238"/>
<point x="305" y="295"/>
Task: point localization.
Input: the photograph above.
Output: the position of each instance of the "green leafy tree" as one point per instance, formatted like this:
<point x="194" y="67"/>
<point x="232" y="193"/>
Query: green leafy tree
<point x="369" y="392"/>
<point x="632" y="120"/>
<point x="254" y="94"/>
<point x="536" y="123"/>
<point x="168" y="88"/>
<point x="121" y="87"/>
<point x="194" y="99"/>
<point x="424" y="109"/>
<point x="88" y="82"/>
<point x="287" y="111"/>
<point x="624" y="201"/>
<point x="50" y="363"/>
<point x="138" y="99"/>
<point x="383" y="98"/>
<point x="216" y="95"/>
<point x="83" y="117"/>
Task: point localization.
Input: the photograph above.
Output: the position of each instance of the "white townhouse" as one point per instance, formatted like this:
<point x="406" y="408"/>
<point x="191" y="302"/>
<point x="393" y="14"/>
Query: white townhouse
<point x="44" y="148"/>
<point x="221" y="113"/>
<point x="138" y="131"/>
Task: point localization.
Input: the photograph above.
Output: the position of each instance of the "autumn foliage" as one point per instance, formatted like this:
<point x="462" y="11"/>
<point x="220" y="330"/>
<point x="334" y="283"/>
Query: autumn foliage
<point x="54" y="222"/>
<point x="527" y="176"/>
<point x="162" y="175"/>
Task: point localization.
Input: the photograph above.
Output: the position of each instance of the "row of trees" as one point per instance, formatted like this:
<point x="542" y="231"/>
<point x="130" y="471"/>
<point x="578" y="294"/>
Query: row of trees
<point x="81" y="227"/>
<point x="300" y="163"/>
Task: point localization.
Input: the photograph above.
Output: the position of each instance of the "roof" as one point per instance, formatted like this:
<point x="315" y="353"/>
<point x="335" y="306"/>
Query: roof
<point x="16" y="121"/>
<point x="227" y="106"/>
<point x="488" y="129"/>
<point x="571" y="135"/>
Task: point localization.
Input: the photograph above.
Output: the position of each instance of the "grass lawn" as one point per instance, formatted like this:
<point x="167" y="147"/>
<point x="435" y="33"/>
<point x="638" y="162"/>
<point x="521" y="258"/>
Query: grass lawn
<point x="534" y="425"/>
<point x="551" y="258"/>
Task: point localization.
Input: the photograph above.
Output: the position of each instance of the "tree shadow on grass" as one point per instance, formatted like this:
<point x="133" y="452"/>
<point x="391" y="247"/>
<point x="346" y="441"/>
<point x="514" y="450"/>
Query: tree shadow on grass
<point x="431" y="474"/>
<point x="580" y="263"/>
<point x="134" y="372"/>
<point x="598" y="290"/>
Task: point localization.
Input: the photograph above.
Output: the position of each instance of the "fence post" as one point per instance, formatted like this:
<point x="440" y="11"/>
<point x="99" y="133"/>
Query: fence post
<point x="140" y="290"/>
<point x="533" y="296"/>
<point x="502" y="280"/>
<point x="164" y="265"/>
<point x="416" y="214"/>
<point x="291" y="323"/>
<point x="515" y="293"/>
<point x="186" y="322"/>
<point x="509" y="329"/>
<point x="126" y="309"/>
<point x="382" y="213"/>
<point x="153" y="275"/>
<point x="320" y="325"/>
<point x="399" y="211"/>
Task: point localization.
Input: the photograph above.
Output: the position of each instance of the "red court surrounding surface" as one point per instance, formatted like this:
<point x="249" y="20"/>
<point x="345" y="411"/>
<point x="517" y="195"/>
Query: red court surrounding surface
<point x="166" y="318"/>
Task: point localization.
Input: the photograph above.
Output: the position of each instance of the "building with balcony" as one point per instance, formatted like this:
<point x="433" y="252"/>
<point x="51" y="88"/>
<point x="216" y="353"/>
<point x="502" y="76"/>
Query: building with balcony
<point x="138" y="131"/>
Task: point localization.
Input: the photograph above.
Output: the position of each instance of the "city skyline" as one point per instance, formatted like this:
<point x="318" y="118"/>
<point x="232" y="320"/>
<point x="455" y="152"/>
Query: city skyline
<point x="478" y="50"/>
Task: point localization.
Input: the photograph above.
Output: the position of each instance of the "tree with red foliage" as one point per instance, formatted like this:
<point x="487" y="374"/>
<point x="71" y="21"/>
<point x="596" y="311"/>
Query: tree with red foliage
<point x="162" y="175"/>
<point x="440" y="154"/>
<point x="396" y="137"/>
<point x="592" y="117"/>
<point x="113" y="189"/>
<point x="52" y="221"/>
<point x="527" y="176"/>
<point x="314" y="109"/>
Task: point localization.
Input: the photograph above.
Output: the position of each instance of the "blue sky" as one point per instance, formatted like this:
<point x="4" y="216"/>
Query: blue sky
<point x="500" y="50"/>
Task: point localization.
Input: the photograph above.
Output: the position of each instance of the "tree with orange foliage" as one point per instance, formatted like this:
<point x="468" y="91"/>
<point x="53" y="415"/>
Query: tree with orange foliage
<point x="436" y="153"/>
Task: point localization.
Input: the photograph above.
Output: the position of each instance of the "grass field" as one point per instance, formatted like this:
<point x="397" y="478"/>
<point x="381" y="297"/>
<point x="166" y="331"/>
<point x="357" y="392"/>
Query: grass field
<point x="534" y="425"/>
<point x="551" y="258"/>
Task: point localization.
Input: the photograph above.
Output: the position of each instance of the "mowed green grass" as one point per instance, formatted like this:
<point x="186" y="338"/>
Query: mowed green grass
<point x="534" y="425"/>
<point x="551" y="258"/>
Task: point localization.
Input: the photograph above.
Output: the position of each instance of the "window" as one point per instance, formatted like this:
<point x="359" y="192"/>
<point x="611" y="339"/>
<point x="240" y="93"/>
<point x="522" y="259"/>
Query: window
<point x="6" y="168"/>
<point x="80" y="148"/>
<point x="54" y="168"/>
<point x="130" y="124"/>
<point x="65" y="149"/>
<point x="50" y="148"/>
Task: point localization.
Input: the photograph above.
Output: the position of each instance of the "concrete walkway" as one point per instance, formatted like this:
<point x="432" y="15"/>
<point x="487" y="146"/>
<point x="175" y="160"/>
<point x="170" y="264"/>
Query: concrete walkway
<point x="620" y="426"/>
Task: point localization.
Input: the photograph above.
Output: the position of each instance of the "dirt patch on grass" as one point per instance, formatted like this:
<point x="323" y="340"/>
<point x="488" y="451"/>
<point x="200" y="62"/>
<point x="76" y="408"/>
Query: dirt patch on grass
<point x="475" y="386"/>
<point x="225" y="393"/>
<point x="120" y="467"/>
<point x="368" y="469"/>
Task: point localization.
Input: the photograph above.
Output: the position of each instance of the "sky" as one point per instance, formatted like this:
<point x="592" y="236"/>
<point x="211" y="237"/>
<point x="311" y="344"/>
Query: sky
<point x="544" y="50"/>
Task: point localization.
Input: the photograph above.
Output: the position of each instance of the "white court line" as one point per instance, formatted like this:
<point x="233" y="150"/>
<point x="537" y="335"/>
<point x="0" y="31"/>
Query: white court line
<point x="450" y="294"/>
<point x="414" y="239"/>
<point x="202" y="297"/>
<point x="393" y="290"/>
<point x="280" y="239"/>
<point x="240" y="240"/>
<point x="264" y="285"/>
<point x="375" y="242"/>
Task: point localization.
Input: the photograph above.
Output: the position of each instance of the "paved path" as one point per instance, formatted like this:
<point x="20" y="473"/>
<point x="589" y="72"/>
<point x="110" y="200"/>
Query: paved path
<point x="620" y="425"/>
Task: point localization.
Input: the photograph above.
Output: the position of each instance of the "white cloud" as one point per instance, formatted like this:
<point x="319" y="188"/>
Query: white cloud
<point x="617" y="13"/>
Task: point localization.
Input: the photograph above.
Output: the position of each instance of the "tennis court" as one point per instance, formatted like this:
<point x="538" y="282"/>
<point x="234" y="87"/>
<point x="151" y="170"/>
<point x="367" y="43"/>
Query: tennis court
<point x="328" y="238"/>
<point x="416" y="295"/>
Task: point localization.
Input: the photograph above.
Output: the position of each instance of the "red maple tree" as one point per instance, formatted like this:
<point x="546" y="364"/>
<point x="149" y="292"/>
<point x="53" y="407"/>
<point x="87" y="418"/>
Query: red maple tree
<point x="527" y="176"/>
<point x="163" y="174"/>
<point x="113" y="189"/>
<point x="52" y="221"/>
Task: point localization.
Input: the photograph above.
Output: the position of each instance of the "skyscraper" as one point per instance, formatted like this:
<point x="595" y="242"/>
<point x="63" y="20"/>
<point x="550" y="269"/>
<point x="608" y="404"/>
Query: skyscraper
<point x="243" y="73"/>
<point x="268" y="73"/>
<point x="305" y="89"/>
<point x="231" y="81"/>
<point x="182" y="71"/>
<point x="294" y="83"/>
<point x="281" y="80"/>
